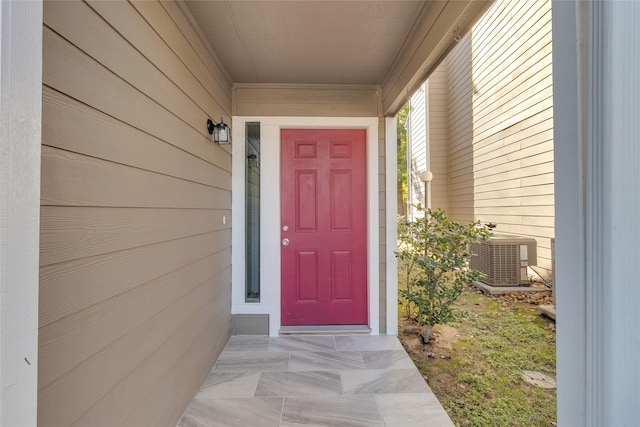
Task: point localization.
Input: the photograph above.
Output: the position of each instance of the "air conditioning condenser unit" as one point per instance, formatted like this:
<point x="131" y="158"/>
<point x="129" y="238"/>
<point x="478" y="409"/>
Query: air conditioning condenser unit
<point x="504" y="259"/>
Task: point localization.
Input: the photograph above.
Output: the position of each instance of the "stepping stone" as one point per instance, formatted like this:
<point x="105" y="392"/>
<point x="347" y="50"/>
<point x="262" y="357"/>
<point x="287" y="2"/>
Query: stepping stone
<point x="539" y="379"/>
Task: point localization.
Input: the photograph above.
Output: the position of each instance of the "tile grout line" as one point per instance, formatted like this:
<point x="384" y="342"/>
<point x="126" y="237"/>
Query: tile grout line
<point x="282" y="410"/>
<point x="310" y="347"/>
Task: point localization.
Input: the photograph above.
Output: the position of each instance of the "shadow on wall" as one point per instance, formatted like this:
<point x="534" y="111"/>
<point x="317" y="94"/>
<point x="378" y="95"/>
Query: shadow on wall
<point x="460" y="108"/>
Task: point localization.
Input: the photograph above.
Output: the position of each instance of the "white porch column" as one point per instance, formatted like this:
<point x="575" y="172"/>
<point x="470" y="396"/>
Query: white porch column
<point x="597" y="153"/>
<point x="568" y="135"/>
<point x="391" y="189"/>
<point x="20" y="129"/>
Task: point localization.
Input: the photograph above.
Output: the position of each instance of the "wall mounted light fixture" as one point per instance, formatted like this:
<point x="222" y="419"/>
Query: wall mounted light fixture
<point x="220" y="131"/>
<point x="427" y="177"/>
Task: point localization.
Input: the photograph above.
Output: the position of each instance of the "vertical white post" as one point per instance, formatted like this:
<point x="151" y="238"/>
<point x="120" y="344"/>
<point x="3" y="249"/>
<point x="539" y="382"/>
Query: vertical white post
<point x="20" y="131"/>
<point x="391" y="190"/>
<point x="596" y="131"/>
<point x="612" y="206"/>
<point x="568" y="134"/>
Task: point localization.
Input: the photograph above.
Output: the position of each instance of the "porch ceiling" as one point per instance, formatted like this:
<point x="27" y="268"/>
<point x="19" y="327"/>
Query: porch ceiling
<point x="393" y="44"/>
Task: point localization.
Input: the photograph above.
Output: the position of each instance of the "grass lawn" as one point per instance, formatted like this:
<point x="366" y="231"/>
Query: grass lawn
<point x="474" y="365"/>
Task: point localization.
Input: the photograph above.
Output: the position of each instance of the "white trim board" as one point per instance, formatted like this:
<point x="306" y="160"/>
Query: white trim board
<point x="270" y="212"/>
<point x="391" y="170"/>
<point x="20" y="128"/>
<point x="596" y="64"/>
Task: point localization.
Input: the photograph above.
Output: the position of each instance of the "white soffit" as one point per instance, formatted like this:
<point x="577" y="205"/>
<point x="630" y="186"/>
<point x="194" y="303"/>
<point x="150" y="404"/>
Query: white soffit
<point x="306" y="42"/>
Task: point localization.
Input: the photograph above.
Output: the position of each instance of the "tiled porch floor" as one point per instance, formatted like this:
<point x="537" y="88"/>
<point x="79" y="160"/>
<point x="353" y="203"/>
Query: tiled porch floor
<point x="344" y="380"/>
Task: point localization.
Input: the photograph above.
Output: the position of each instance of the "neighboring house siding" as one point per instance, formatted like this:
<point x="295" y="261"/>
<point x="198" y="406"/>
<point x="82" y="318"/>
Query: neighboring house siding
<point x="438" y="138"/>
<point x="460" y="124"/>
<point x="428" y="144"/>
<point x="500" y="125"/>
<point x="417" y="156"/>
<point x="135" y="256"/>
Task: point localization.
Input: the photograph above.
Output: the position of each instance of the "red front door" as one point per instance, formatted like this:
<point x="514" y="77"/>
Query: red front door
<point x="324" y="226"/>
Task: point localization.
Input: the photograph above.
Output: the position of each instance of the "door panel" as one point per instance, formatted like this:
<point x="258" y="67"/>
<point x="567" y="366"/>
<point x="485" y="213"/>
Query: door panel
<point x="307" y="275"/>
<point x="324" y="222"/>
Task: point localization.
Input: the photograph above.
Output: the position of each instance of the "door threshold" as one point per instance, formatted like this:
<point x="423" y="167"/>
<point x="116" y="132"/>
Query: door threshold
<point x="325" y="330"/>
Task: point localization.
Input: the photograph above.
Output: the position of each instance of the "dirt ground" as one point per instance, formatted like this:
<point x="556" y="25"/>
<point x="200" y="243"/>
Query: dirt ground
<point x="440" y="346"/>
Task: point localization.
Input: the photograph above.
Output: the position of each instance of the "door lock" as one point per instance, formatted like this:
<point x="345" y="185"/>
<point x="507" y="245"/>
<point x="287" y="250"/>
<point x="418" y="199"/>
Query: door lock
<point x="285" y="242"/>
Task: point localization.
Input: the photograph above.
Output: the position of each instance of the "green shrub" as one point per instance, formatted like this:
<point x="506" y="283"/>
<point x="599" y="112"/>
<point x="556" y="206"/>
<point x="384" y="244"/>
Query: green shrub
<point x="434" y="254"/>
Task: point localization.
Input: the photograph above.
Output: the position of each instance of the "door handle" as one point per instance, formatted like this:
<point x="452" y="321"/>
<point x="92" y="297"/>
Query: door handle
<point x="285" y="242"/>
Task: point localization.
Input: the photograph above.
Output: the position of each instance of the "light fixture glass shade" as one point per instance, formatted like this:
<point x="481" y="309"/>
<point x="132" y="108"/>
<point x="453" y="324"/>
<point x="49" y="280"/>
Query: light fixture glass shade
<point x="222" y="134"/>
<point x="426" y="176"/>
<point x="220" y="131"/>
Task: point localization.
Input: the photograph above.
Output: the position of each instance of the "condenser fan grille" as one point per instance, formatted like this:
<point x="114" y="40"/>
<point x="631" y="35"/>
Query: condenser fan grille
<point x="503" y="260"/>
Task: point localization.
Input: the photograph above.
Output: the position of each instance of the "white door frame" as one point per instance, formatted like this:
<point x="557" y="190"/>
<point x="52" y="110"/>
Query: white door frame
<point x="270" y="212"/>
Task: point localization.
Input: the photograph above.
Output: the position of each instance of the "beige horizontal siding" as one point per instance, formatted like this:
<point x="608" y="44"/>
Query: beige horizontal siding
<point x="77" y="180"/>
<point x="438" y="137"/>
<point x="460" y="90"/>
<point x="500" y="123"/>
<point x="305" y="100"/>
<point x="74" y="127"/>
<point x="65" y="229"/>
<point x="156" y="407"/>
<point x="135" y="252"/>
<point x="96" y="324"/>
